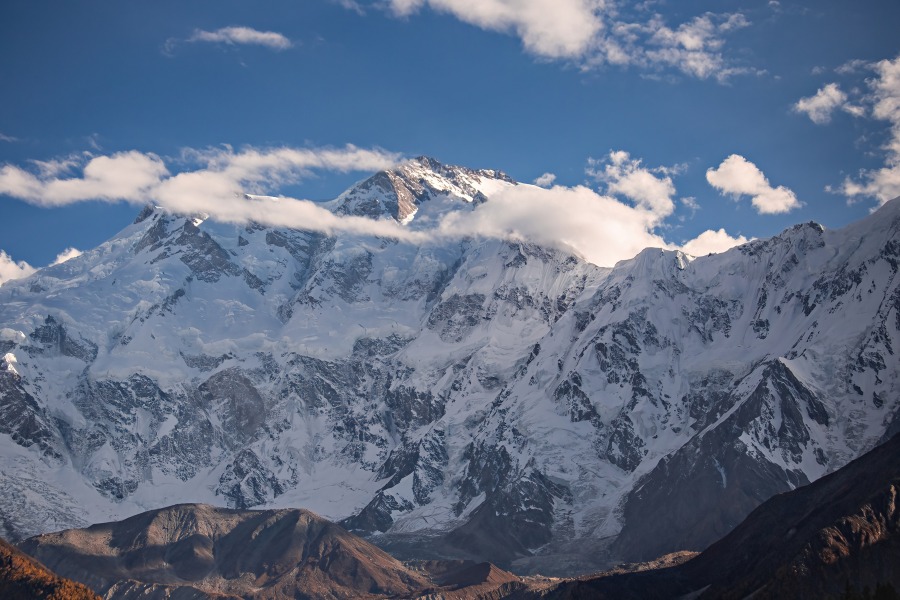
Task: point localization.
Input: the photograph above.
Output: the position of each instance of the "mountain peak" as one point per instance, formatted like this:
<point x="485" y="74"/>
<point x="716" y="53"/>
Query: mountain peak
<point x="398" y="192"/>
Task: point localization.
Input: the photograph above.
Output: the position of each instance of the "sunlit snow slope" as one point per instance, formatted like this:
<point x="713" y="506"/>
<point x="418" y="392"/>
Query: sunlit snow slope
<point x="486" y="398"/>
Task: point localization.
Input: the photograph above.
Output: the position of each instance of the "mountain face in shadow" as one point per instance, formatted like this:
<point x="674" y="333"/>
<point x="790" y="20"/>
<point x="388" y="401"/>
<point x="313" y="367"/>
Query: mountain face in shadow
<point x="836" y="538"/>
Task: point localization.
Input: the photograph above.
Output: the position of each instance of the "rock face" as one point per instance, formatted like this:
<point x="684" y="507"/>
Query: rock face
<point x="207" y="552"/>
<point x="23" y="578"/>
<point x="830" y="539"/>
<point x="473" y="398"/>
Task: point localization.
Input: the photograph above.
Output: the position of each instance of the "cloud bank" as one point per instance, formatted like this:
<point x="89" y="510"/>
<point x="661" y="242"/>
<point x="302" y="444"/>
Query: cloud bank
<point x="237" y="187"/>
<point x="599" y="228"/>
<point x="738" y="176"/>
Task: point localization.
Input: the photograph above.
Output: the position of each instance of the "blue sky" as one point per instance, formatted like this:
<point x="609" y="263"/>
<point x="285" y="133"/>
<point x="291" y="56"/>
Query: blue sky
<point x="806" y="95"/>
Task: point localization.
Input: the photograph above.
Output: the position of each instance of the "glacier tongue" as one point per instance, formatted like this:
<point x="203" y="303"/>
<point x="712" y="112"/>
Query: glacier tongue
<point x="470" y="398"/>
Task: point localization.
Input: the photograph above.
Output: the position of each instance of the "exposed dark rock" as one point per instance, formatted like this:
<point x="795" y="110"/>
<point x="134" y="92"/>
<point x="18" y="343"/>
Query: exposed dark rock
<point x="23" y="419"/>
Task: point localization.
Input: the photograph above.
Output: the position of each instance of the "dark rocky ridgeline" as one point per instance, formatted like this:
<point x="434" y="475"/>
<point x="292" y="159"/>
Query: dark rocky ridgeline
<point x="201" y="551"/>
<point x="838" y="537"/>
<point x="23" y="578"/>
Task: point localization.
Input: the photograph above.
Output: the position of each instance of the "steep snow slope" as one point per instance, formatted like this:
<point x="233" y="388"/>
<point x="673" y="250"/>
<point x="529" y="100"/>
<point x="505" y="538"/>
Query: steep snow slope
<point x="471" y="397"/>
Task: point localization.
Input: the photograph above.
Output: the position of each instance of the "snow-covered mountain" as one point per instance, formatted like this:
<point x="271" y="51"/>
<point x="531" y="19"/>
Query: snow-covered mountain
<point x="479" y="397"/>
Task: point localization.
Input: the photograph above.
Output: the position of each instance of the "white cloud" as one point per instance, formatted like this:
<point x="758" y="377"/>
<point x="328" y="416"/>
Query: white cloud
<point x="242" y="35"/>
<point x="11" y="269"/>
<point x="694" y="47"/>
<point x="58" y="166"/>
<point x="882" y="184"/>
<point x="549" y="28"/>
<point x="820" y="107"/>
<point x="127" y="176"/>
<point x="67" y="254"/>
<point x="596" y="33"/>
<point x="712" y="242"/>
<point x="625" y="176"/>
<point x="886" y="96"/>
<point x="740" y="177"/>
<point x="227" y="185"/>
<point x="690" y="203"/>
<point x="599" y="228"/>
<point x="545" y="180"/>
<point x="7" y="138"/>
<point x="351" y="5"/>
<point x="138" y="177"/>
<point x="852" y="66"/>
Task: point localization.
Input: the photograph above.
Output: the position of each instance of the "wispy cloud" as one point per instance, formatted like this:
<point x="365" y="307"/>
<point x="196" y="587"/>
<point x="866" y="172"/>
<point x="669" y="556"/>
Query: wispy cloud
<point x="694" y="47"/>
<point x="852" y="66"/>
<point x="231" y="36"/>
<point x="545" y="180"/>
<point x="7" y="138"/>
<point x="880" y="100"/>
<point x="599" y="33"/>
<point x="820" y="107"/>
<point x="60" y="166"/>
<point x="738" y="177"/>
<point x="139" y="177"/>
<point x="67" y="254"/>
<point x="242" y="35"/>
<point x="351" y="5"/>
<point x="650" y="189"/>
